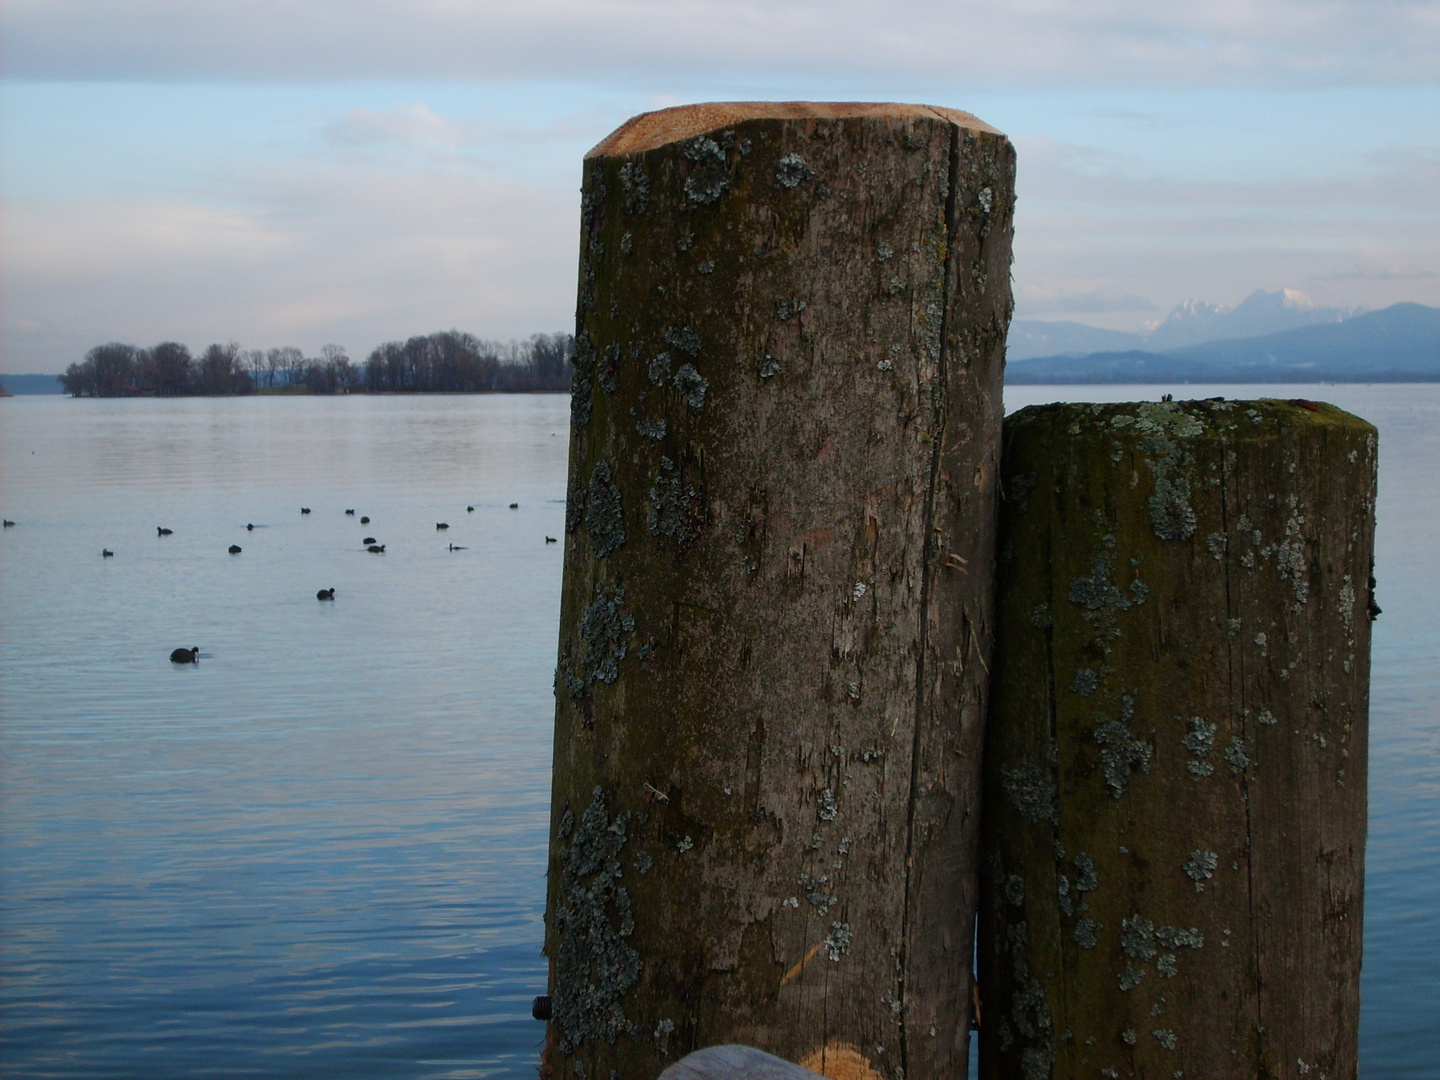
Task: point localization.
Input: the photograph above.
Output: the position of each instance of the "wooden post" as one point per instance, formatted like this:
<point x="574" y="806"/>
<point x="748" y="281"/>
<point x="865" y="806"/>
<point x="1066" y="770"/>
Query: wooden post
<point x="776" y="608"/>
<point x="1175" y="759"/>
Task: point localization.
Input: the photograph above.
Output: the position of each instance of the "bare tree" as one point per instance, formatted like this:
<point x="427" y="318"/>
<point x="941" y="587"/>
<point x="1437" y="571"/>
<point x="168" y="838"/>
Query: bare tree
<point x="222" y="372"/>
<point x="254" y="360"/>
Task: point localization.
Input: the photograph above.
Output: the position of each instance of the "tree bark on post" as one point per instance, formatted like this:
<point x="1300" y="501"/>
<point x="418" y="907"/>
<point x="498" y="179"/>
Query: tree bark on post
<point x="1176" y="750"/>
<point x="776" y="609"/>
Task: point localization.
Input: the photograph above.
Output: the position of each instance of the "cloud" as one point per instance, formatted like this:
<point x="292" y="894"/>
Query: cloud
<point x="102" y="241"/>
<point x="298" y="256"/>
<point x="362" y="212"/>
<point x="413" y="125"/>
<point x="1100" y="301"/>
<point x="1090" y="224"/>
<point x="1229" y="43"/>
<point x="1384" y="273"/>
<point x="1393" y="182"/>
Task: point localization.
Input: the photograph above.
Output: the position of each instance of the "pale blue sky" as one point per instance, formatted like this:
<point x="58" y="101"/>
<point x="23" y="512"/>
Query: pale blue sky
<point x="278" y="172"/>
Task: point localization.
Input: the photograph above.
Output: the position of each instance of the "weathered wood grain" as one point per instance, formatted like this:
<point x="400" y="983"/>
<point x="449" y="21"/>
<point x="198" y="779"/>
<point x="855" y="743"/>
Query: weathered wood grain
<point x="1176" y="753"/>
<point x="776" y="609"/>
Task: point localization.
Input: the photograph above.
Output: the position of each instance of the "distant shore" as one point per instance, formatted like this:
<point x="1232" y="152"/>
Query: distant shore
<point x="50" y="386"/>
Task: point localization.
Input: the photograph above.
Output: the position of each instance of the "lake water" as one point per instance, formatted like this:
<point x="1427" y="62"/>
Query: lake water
<point x="320" y="852"/>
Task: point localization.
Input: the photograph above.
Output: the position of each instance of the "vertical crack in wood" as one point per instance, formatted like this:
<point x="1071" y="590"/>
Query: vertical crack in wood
<point x="1053" y="528"/>
<point x="1235" y="656"/>
<point x="923" y="698"/>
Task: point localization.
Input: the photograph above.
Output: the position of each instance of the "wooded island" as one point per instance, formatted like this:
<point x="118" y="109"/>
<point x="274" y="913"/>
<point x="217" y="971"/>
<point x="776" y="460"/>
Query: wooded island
<point x="447" y="362"/>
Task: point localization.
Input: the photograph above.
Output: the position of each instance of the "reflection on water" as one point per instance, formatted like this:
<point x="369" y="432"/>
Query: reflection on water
<point x="320" y="851"/>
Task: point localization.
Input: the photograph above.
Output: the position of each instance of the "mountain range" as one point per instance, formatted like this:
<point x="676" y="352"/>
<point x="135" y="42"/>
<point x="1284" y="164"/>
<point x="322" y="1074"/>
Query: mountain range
<point x="1400" y="343"/>
<point x="1190" y="323"/>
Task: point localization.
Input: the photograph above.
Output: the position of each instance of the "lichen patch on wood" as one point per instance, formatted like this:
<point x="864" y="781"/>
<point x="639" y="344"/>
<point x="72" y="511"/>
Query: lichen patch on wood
<point x="595" y="964"/>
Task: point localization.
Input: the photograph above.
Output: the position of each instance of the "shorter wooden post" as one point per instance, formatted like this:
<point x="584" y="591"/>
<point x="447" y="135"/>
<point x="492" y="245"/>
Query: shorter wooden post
<point x="1175" y="760"/>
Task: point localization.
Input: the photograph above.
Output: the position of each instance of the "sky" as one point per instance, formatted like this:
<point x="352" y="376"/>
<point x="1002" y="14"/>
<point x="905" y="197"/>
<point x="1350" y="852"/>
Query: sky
<point x="304" y="172"/>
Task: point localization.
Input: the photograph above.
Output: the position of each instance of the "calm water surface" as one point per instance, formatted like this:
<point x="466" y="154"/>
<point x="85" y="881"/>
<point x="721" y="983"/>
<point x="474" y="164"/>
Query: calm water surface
<point x="320" y="852"/>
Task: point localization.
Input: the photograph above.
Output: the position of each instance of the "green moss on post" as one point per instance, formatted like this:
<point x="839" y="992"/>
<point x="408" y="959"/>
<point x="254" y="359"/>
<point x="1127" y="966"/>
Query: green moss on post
<point x="1176" y="751"/>
<point x="776" y="610"/>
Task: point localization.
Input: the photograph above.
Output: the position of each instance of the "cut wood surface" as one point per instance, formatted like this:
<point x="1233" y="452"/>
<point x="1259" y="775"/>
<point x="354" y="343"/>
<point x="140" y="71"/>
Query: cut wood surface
<point x="775" y="618"/>
<point x="735" y="1063"/>
<point x="1176" y="754"/>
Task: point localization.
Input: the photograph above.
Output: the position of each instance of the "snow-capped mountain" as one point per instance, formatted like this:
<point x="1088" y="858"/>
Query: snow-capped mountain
<point x="1261" y="312"/>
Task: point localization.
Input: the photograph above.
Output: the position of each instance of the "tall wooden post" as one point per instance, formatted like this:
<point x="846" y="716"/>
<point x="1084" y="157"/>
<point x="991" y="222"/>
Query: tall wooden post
<point x="1175" y="760"/>
<point x="776" y="608"/>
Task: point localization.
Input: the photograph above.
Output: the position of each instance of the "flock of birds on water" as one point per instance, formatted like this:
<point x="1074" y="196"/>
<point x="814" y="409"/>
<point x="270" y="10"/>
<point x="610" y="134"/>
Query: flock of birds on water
<point x="192" y="655"/>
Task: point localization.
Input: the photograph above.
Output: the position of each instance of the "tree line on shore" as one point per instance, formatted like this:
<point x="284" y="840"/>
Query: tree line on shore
<point x="447" y="362"/>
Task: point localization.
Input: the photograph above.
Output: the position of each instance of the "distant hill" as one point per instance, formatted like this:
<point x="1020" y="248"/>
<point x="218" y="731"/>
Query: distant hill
<point x="1030" y="338"/>
<point x="1400" y="343"/>
<point x="31" y="384"/>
